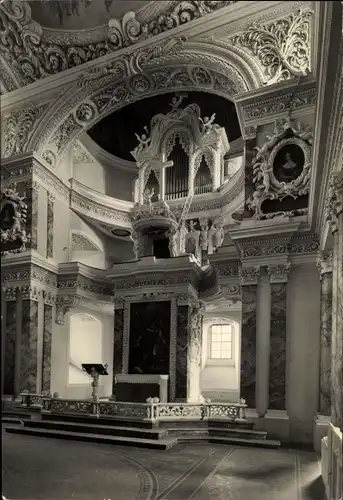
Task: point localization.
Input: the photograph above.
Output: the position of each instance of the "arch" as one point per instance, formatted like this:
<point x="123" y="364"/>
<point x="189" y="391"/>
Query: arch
<point x="85" y="346"/>
<point x="225" y="71"/>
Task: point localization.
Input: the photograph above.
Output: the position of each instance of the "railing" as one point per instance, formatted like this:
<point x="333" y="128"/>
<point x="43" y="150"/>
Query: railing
<point x="30" y="400"/>
<point x="151" y="410"/>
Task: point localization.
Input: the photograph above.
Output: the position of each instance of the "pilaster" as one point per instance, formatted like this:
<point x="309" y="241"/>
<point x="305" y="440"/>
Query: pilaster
<point x="30" y="333"/>
<point x="324" y="265"/>
<point x="278" y="275"/>
<point x="249" y="280"/>
<point x="50" y="225"/>
<point x="335" y="218"/>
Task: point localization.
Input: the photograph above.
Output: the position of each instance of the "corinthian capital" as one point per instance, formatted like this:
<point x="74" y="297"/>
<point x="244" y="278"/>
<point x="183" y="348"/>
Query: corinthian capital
<point x="249" y="275"/>
<point x="278" y="273"/>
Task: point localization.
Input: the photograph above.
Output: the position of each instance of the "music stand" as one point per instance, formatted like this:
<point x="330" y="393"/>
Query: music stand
<point x="95" y="370"/>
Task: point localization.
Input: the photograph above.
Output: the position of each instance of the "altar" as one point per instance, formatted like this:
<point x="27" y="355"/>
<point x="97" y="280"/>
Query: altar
<point x="137" y="388"/>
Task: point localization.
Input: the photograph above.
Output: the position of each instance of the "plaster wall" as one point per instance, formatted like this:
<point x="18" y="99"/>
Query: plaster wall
<point x="60" y="358"/>
<point x="219" y="380"/>
<point x="303" y="335"/>
<point x="110" y="181"/>
<point x="62" y="220"/>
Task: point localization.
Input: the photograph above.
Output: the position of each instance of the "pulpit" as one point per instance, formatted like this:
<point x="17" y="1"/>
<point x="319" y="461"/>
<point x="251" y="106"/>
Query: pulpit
<point x="95" y="370"/>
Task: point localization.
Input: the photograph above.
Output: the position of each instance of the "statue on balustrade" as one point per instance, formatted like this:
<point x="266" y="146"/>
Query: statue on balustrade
<point x="172" y="236"/>
<point x="192" y="239"/>
<point x="218" y="235"/>
<point x="147" y="195"/>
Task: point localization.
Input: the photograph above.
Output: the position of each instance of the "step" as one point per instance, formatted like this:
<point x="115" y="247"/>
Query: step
<point x="161" y="444"/>
<point x="103" y="420"/>
<point x="12" y="420"/>
<point x="227" y="424"/>
<point x="218" y="432"/>
<point x="258" y="443"/>
<point x="111" y="430"/>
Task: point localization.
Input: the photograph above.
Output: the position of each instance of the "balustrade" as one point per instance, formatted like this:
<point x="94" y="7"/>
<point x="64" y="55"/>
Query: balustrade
<point x="151" y="410"/>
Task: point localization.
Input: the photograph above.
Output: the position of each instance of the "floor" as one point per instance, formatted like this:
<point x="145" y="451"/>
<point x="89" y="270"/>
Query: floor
<point x="37" y="468"/>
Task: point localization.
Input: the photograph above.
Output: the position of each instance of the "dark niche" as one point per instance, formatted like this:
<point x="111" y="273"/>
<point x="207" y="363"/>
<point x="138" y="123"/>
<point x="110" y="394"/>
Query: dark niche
<point x="288" y="163"/>
<point x="149" y="338"/>
<point x="287" y="204"/>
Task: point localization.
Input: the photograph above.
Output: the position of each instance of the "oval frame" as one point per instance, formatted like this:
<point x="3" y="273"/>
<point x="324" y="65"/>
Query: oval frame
<point x="306" y="149"/>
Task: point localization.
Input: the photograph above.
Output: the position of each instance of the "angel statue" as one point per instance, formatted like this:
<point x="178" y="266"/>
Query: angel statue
<point x="207" y="123"/>
<point x="218" y="235"/>
<point x="143" y="140"/>
<point x="176" y="102"/>
<point x="147" y="195"/>
<point x="264" y="174"/>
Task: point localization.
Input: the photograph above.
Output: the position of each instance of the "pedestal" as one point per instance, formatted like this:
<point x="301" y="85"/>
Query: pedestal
<point x="137" y="388"/>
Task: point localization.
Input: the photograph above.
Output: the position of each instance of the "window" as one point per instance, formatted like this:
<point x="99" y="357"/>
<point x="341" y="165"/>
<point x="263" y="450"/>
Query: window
<point x="221" y="342"/>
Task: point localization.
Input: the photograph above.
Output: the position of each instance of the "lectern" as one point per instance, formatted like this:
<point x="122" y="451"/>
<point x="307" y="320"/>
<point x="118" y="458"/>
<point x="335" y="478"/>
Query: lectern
<point x="95" y="370"/>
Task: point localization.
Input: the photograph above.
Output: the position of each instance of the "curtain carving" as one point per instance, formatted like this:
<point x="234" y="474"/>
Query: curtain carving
<point x="203" y="179"/>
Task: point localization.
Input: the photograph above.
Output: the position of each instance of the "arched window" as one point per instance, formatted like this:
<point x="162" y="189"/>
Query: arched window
<point x="221" y="341"/>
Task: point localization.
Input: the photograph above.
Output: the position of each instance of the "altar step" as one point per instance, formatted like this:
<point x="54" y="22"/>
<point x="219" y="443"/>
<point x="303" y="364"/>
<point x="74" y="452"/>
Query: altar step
<point x="87" y="419"/>
<point x="157" y="444"/>
<point x="98" y="429"/>
<point x="104" y="430"/>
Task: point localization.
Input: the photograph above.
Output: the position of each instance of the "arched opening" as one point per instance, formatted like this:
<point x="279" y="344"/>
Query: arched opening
<point x="177" y="175"/>
<point x="85" y="346"/>
<point x="203" y="179"/>
<point x="153" y="185"/>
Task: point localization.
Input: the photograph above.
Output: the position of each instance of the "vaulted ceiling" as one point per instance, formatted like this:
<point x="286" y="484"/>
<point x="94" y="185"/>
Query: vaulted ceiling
<point x="116" y="132"/>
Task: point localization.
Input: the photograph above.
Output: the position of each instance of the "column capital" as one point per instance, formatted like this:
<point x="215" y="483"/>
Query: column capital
<point x="324" y="263"/>
<point x="51" y="196"/>
<point x="249" y="275"/>
<point x="63" y="305"/>
<point x="279" y="273"/>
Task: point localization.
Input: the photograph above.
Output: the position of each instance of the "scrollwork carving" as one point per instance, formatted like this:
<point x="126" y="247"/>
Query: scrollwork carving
<point x="276" y="181"/>
<point x="64" y="303"/>
<point x="282" y="47"/>
<point x="13" y="217"/>
<point x="334" y="204"/>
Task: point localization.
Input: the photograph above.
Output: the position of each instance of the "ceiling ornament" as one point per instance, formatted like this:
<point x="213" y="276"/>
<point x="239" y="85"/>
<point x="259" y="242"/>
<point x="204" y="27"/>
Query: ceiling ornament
<point x="117" y="95"/>
<point x="283" y="47"/>
<point x="17" y="128"/>
<point x="33" y="56"/>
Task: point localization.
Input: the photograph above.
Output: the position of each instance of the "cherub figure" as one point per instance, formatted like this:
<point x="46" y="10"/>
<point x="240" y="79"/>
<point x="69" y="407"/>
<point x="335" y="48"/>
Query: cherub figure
<point x="147" y="195"/>
<point x="143" y="140"/>
<point x="176" y="102"/>
<point x="207" y="123"/>
<point x="264" y="173"/>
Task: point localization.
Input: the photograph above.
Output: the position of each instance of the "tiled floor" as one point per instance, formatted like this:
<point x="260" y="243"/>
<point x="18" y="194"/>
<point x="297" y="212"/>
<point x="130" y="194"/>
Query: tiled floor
<point x="36" y="468"/>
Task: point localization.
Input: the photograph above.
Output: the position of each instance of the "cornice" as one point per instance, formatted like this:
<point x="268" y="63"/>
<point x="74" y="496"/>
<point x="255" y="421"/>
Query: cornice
<point x="264" y="229"/>
<point x="29" y="166"/>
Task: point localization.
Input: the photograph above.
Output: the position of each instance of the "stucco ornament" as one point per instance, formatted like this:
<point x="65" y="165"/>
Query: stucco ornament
<point x="282" y="168"/>
<point x="283" y="47"/>
<point x="13" y="218"/>
<point x="34" y="53"/>
<point x="334" y="204"/>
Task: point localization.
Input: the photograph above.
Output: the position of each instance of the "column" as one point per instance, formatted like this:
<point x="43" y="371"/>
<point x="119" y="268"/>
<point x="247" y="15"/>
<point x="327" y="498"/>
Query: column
<point x="188" y="353"/>
<point x="277" y="362"/>
<point x="335" y="213"/>
<point x="249" y="278"/>
<point x="117" y="343"/>
<point x="46" y="347"/>
<point x="162" y="183"/>
<point x="29" y="341"/>
<point x="9" y="342"/>
<point x="263" y="343"/>
<point x="324" y="265"/>
<point x="50" y="226"/>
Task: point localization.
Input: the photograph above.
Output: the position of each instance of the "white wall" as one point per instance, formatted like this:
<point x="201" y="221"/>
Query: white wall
<point x="220" y="379"/>
<point x="110" y="181"/>
<point x="303" y="335"/>
<point x="60" y="357"/>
